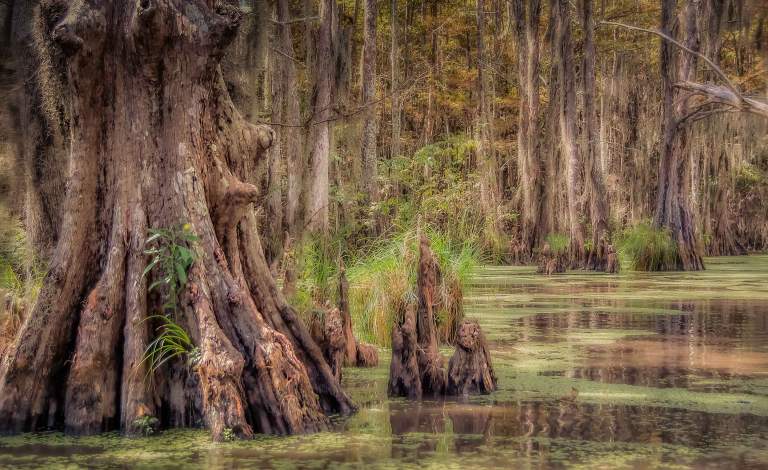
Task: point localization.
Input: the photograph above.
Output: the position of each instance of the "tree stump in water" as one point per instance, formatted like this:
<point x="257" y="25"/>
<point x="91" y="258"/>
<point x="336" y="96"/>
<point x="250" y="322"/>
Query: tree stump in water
<point x="404" y="376"/>
<point x="431" y="362"/>
<point x="425" y="376"/>
<point x="355" y="353"/>
<point x="327" y="329"/>
<point x="612" y="261"/>
<point x="470" y="370"/>
<point x="550" y="263"/>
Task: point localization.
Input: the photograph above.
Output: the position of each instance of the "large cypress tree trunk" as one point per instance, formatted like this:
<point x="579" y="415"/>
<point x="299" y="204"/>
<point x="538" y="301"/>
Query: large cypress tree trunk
<point x="568" y="131"/>
<point x="672" y="204"/>
<point x="156" y="141"/>
<point x="598" y="201"/>
<point x="528" y="148"/>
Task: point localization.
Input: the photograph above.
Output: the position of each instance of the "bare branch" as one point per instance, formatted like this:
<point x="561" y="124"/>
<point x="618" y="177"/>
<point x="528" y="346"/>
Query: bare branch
<point x="724" y="96"/>
<point x="682" y="46"/>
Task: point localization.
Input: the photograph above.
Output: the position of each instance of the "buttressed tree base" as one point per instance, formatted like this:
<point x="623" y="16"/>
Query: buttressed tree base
<point x="156" y="141"/>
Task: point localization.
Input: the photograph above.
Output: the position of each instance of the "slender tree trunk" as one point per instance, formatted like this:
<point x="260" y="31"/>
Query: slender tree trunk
<point x="530" y="167"/>
<point x="320" y="131"/>
<point x="672" y="204"/>
<point x="156" y="141"/>
<point x="430" y="115"/>
<point x="394" y="57"/>
<point x="291" y="139"/>
<point x="568" y="131"/>
<point x="370" y="124"/>
<point x="595" y="187"/>
<point x="486" y="156"/>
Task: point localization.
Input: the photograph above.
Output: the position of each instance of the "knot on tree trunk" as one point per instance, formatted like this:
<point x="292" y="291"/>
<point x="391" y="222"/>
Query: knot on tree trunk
<point x="470" y="370"/>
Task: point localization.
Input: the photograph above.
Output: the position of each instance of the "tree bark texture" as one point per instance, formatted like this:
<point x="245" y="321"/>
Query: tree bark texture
<point x="470" y="370"/>
<point x="417" y="368"/>
<point x="527" y="14"/>
<point x="673" y="210"/>
<point x="317" y="197"/>
<point x="156" y="141"/>
<point x="595" y="187"/>
<point x="370" y="123"/>
<point x="41" y="123"/>
<point x="568" y="132"/>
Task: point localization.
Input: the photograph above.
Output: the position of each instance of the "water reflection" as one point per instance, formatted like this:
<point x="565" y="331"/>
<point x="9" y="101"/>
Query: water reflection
<point x="473" y="426"/>
<point x="634" y="371"/>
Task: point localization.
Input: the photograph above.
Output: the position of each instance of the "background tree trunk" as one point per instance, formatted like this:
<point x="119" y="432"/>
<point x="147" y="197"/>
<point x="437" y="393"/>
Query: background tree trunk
<point x="672" y="204"/>
<point x="568" y="131"/>
<point x="156" y="142"/>
<point x="394" y="57"/>
<point x="317" y="197"/>
<point x="595" y="187"/>
<point x="530" y="167"/>
<point x="370" y="123"/>
<point x="291" y="137"/>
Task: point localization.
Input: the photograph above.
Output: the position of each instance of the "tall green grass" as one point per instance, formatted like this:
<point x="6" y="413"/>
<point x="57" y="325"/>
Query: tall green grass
<point x="20" y="273"/>
<point x="646" y="248"/>
<point x="382" y="280"/>
<point x="558" y="243"/>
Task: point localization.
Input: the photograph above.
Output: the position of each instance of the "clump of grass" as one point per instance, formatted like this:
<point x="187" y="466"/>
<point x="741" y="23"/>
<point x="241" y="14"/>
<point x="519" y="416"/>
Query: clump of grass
<point x="646" y="248"/>
<point x="21" y="276"/>
<point x="384" y="282"/>
<point x="558" y="243"/>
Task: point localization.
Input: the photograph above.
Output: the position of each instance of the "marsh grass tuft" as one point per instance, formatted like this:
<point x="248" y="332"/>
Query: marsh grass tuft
<point x="384" y="282"/>
<point x="21" y="276"/>
<point x="558" y="243"/>
<point x="646" y="248"/>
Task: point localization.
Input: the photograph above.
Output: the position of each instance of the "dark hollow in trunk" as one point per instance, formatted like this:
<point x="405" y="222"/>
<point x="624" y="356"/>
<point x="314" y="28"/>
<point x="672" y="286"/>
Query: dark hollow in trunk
<point x="155" y="142"/>
<point x="470" y="370"/>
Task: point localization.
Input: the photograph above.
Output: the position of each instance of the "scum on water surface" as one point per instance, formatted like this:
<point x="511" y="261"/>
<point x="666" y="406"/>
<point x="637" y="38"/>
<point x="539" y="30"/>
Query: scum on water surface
<point x="663" y="370"/>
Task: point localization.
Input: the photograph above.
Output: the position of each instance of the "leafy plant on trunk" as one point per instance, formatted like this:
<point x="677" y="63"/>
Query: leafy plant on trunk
<point x="172" y="251"/>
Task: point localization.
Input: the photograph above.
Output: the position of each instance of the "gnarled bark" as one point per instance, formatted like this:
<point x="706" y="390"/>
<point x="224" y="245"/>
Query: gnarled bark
<point x="431" y="362"/>
<point x="327" y="329"/>
<point x="404" y="375"/>
<point x="672" y="204"/>
<point x="156" y="141"/>
<point x="470" y="369"/>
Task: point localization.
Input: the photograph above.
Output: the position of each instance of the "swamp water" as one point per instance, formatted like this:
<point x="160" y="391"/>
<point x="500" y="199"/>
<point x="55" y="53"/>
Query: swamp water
<point x="664" y="370"/>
